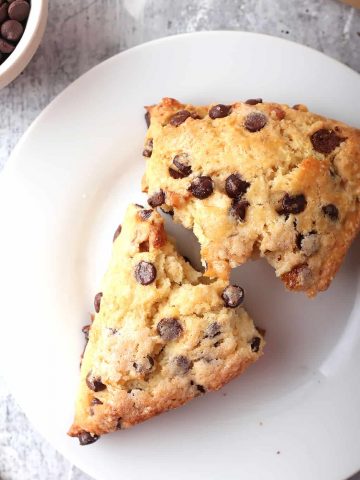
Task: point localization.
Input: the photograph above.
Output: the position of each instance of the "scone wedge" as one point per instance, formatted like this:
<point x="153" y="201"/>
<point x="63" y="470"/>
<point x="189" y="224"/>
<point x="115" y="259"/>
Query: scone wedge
<point x="161" y="334"/>
<point x="256" y="178"/>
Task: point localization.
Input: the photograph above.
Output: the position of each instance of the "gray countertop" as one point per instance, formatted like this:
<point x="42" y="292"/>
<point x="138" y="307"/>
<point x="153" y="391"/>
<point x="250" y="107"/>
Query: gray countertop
<point x="81" y="34"/>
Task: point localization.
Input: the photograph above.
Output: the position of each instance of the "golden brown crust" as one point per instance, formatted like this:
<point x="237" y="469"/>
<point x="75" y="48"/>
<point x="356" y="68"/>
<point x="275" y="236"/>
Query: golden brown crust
<point x="111" y="419"/>
<point x="294" y="156"/>
<point x="332" y="263"/>
<point x="132" y="369"/>
<point x="297" y="277"/>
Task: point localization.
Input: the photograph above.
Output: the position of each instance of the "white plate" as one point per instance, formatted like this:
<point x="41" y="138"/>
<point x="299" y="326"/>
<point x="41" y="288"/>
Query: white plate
<point x="294" y="415"/>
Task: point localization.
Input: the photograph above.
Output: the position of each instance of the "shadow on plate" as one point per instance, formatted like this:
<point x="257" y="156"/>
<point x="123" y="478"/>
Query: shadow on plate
<point x="301" y="333"/>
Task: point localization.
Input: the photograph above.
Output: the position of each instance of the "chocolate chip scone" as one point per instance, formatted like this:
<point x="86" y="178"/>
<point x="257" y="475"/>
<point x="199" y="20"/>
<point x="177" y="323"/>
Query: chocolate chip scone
<point x="256" y="179"/>
<point x="161" y="334"/>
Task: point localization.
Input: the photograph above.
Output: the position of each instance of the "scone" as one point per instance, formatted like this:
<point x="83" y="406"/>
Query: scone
<point x="254" y="179"/>
<point x="161" y="334"/>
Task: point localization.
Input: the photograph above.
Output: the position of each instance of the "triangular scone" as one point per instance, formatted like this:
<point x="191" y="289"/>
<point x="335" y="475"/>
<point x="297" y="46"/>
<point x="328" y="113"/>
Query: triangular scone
<point x="258" y="178"/>
<point x="160" y="336"/>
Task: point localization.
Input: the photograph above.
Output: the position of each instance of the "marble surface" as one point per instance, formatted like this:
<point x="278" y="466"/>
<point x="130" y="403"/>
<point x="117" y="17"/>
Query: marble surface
<point x="81" y="34"/>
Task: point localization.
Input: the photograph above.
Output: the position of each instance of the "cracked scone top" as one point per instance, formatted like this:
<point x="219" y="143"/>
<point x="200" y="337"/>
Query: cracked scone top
<point x="160" y="335"/>
<point x="255" y="179"/>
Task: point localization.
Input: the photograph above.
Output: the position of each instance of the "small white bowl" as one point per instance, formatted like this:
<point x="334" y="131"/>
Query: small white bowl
<point x="29" y="42"/>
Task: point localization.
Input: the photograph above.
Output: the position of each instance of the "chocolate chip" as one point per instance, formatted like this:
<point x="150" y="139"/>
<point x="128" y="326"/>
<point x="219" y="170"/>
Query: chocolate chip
<point x="179" y="118"/>
<point x="255" y="121"/>
<point x="169" y="329"/>
<point x="255" y="344"/>
<point x="254" y="101"/>
<point x="181" y="163"/>
<point x="175" y="174"/>
<point x="201" y="187"/>
<point x="238" y="209"/>
<point x="86" y="330"/>
<point x="156" y="199"/>
<point x="145" y="273"/>
<point x="212" y="330"/>
<point x="6" y="47"/>
<point x="331" y="211"/>
<point x="117" y="233"/>
<point x="182" y="364"/>
<point x="292" y="204"/>
<point x="97" y="301"/>
<point x="235" y="186"/>
<point x="145" y="214"/>
<point x="19" y="10"/>
<point x="3" y="12"/>
<point x="86" y="438"/>
<point x="96" y="401"/>
<point x="147" y="119"/>
<point x="233" y="296"/>
<point x="219" y="111"/>
<point x="94" y="383"/>
<point x="12" y="30"/>
<point x="201" y="388"/>
<point x="325" y="141"/>
<point x="147" y="152"/>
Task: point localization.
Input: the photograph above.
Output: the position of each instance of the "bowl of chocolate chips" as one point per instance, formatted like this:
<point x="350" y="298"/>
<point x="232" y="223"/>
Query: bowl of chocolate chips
<point x="22" y="25"/>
